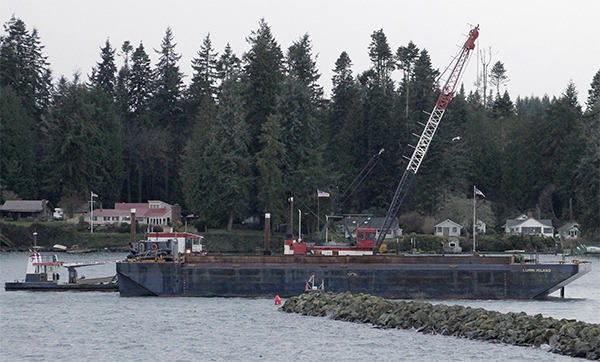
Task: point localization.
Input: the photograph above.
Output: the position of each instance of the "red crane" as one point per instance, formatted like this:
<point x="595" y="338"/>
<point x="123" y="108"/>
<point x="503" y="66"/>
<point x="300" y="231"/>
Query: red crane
<point x="456" y="69"/>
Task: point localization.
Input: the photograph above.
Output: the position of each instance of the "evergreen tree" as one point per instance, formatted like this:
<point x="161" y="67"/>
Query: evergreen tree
<point x="18" y="162"/>
<point x="167" y="114"/>
<point x="228" y="65"/>
<point x="23" y="67"/>
<point x="168" y="85"/>
<point x="406" y="57"/>
<point x="593" y="105"/>
<point x="498" y="77"/>
<point x="560" y="146"/>
<point x="502" y="108"/>
<point x="303" y="68"/>
<point x="455" y="161"/>
<point x="299" y="125"/>
<point x="141" y="79"/>
<point x="144" y="146"/>
<point x="381" y="56"/>
<point x="270" y="185"/>
<point x="104" y="75"/>
<point x="427" y="193"/>
<point x="424" y="85"/>
<point x="122" y="89"/>
<point x="222" y="166"/>
<point x="587" y="173"/>
<point x="522" y="180"/>
<point x="84" y="150"/>
<point x="344" y="129"/>
<point x="204" y="78"/>
<point x="25" y="70"/>
<point x="263" y="77"/>
<point x="298" y="112"/>
<point x="198" y="158"/>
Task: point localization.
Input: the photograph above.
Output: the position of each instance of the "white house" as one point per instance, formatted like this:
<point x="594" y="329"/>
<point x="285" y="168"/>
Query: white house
<point x="447" y="228"/>
<point x="527" y="225"/>
<point x="569" y="231"/>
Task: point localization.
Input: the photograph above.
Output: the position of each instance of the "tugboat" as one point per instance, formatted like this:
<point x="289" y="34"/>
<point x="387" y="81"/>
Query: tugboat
<point x="43" y="275"/>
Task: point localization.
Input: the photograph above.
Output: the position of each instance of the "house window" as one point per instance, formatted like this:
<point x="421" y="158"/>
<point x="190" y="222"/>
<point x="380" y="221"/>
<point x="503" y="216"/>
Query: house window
<point x="547" y="230"/>
<point x="454" y="229"/>
<point x="573" y="233"/>
<point x="439" y="229"/>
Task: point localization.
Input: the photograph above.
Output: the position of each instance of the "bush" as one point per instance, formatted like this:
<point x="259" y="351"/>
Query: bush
<point x="423" y="243"/>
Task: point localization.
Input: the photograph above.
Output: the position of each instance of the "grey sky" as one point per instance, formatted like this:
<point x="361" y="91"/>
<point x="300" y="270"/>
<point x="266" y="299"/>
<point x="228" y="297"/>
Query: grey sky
<point x="543" y="44"/>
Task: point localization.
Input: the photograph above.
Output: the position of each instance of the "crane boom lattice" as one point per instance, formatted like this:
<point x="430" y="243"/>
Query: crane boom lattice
<point x="456" y="70"/>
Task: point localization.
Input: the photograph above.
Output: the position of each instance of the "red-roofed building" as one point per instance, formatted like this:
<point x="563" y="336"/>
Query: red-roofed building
<point x="155" y="212"/>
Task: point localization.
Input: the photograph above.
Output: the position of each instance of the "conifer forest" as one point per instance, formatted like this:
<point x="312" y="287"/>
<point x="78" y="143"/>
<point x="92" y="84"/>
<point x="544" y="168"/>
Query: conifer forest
<point x="244" y="132"/>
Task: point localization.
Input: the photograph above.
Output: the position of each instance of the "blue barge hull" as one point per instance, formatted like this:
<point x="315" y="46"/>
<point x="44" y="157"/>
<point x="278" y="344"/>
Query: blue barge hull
<point x="394" y="277"/>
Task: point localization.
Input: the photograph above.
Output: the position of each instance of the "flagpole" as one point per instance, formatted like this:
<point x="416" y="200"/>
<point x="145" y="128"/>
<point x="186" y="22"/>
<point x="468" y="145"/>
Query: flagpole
<point x="92" y="195"/>
<point x="299" y="225"/>
<point x="91" y="212"/>
<point x="474" y="198"/>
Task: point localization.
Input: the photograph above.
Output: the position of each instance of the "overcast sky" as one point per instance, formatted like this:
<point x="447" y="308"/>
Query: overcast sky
<point x="543" y="44"/>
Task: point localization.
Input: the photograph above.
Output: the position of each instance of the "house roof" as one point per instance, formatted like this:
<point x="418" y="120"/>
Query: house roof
<point x="142" y="210"/>
<point x="450" y="222"/>
<point x="24" y="205"/>
<point x="110" y="212"/>
<point x="128" y="206"/>
<point x="568" y="226"/>
<point x="126" y="212"/>
<point x="367" y="222"/>
<point x="518" y="221"/>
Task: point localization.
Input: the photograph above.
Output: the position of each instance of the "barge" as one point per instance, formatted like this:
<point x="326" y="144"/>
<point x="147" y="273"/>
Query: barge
<point x="162" y="270"/>
<point x="389" y="276"/>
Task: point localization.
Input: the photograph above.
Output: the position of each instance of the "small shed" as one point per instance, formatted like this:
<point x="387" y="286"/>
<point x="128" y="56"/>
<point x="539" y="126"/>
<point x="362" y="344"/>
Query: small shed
<point x="26" y="209"/>
<point x="447" y="228"/>
<point x="569" y="231"/>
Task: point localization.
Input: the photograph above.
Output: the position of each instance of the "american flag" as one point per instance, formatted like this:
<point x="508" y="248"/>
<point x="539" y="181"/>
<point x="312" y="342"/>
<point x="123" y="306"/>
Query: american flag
<point x="321" y="193"/>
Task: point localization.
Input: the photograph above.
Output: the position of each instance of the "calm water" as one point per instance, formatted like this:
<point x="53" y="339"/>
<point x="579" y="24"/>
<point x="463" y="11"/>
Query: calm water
<point x="67" y="326"/>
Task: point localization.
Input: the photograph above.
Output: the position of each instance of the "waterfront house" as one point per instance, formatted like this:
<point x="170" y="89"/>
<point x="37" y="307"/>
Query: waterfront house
<point x="152" y="213"/>
<point x="528" y="225"/>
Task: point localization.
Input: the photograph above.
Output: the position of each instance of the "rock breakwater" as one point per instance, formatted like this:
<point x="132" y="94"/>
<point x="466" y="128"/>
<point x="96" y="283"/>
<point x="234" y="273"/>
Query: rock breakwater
<point x="563" y="336"/>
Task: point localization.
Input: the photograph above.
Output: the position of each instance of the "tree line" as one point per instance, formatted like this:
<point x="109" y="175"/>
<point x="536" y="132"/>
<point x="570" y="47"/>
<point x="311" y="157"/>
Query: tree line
<point x="247" y="132"/>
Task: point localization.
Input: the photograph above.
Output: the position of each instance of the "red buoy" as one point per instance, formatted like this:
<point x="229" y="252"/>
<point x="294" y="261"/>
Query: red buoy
<point x="277" y="300"/>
